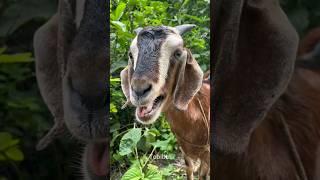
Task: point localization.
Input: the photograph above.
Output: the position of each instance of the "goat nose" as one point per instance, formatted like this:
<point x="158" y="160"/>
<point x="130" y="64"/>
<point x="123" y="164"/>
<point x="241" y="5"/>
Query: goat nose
<point x="141" y="87"/>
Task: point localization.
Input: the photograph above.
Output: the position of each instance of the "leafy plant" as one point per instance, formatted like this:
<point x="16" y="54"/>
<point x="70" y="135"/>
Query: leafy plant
<point x="9" y="149"/>
<point x="14" y="58"/>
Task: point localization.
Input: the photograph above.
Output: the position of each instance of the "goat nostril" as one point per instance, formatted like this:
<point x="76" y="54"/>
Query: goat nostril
<point x="147" y="90"/>
<point x="142" y="91"/>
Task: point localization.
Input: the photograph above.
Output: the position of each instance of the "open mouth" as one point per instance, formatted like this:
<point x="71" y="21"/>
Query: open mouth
<point x="145" y="113"/>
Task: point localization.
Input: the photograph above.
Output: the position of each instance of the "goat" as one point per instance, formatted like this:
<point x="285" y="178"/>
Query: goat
<point x="162" y="76"/>
<point x="266" y="108"/>
<point x="71" y="70"/>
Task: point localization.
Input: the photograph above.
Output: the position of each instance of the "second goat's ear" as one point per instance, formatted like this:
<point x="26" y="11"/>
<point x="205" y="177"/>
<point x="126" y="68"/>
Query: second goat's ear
<point x="189" y="82"/>
<point x="125" y="83"/>
<point x="254" y="61"/>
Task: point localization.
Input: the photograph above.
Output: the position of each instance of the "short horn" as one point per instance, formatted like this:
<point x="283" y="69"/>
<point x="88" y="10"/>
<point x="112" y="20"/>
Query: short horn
<point x="184" y="28"/>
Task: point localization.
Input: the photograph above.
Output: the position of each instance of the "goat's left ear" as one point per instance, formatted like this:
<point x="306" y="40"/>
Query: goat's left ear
<point x="189" y="82"/>
<point x="125" y="84"/>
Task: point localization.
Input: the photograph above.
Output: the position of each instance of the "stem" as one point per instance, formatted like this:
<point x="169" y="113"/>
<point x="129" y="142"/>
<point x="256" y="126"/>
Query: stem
<point x="154" y="148"/>
<point x="121" y="133"/>
<point x="137" y="157"/>
<point x="124" y="127"/>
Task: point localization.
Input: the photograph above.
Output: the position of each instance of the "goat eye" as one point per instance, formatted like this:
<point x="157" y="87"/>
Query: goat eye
<point x="178" y="54"/>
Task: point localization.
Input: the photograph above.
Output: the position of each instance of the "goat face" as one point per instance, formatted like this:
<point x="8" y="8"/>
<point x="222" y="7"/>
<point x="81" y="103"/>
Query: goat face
<point x="74" y="84"/>
<point x="157" y="71"/>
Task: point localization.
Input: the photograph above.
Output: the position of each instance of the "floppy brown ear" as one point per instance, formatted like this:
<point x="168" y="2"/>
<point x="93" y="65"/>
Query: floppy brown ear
<point x="49" y="52"/>
<point x="48" y="73"/>
<point x="254" y="53"/>
<point x="125" y="83"/>
<point x="189" y="82"/>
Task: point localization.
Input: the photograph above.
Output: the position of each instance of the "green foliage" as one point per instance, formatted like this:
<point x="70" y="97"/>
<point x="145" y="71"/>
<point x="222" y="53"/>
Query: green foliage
<point x="9" y="149"/>
<point x="14" y="58"/>
<point x="129" y="141"/>
<point x="127" y="15"/>
<point x="23" y="11"/>
<point x="303" y="14"/>
<point x="135" y="172"/>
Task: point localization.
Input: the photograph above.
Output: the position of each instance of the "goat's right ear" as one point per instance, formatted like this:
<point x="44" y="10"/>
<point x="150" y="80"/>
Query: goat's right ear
<point x="125" y="84"/>
<point x="189" y="82"/>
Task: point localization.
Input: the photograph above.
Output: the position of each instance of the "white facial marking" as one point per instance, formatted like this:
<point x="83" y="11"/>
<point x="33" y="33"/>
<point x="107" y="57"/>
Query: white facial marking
<point x="172" y="42"/>
<point x="135" y="51"/>
<point x="79" y="12"/>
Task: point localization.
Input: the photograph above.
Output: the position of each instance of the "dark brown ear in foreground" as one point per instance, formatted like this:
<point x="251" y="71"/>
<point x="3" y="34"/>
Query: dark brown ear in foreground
<point x="49" y="76"/>
<point x="254" y="49"/>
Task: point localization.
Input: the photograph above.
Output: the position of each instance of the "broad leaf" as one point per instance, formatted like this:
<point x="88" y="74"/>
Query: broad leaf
<point x="153" y="173"/>
<point x="7" y="141"/>
<point x="134" y="173"/>
<point x="129" y="141"/>
<point x="119" y="11"/>
<point x="119" y="26"/>
<point x="16" y="58"/>
<point x="15" y="154"/>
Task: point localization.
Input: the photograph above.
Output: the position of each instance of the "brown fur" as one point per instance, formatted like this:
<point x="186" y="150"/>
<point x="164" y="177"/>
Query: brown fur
<point x="268" y="155"/>
<point x="190" y="126"/>
<point x="256" y="86"/>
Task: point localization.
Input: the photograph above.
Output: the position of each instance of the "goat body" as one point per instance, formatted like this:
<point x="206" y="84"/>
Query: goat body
<point x="268" y="156"/>
<point x="191" y="129"/>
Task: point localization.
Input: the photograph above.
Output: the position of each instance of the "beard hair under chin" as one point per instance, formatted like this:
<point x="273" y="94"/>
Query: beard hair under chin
<point x="85" y="169"/>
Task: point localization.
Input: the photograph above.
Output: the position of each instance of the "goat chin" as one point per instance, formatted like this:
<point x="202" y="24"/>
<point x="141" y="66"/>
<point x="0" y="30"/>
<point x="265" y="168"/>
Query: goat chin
<point x="153" y="118"/>
<point x="87" y="172"/>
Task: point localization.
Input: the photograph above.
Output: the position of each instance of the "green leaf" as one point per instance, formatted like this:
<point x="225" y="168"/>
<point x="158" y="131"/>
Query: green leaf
<point x="119" y="11"/>
<point x="119" y="26"/>
<point x="115" y="80"/>
<point x="2" y="178"/>
<point x="15" y="154"/>
<point x="2" y="50"/>
<point x="114" y="127"/>
<point x="16" y="58"/>
<point x="2" y="157"/>
<point x="163" y="145"/>
<point x="113" y="108"/>
<point x="133" y="173"/>
<point x="7" y="141"/>
<point x="153" y="173"/>
<point x="129" y="141"/>
<point x="23" y="11"/>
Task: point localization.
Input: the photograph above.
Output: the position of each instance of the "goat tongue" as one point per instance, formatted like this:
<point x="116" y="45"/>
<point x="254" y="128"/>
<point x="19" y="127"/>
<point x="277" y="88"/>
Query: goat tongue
<point x="145" y="110"/>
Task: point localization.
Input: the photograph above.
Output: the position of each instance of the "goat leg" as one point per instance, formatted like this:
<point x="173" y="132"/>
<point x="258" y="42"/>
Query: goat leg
<point x="189" y="167"/>
<point x="204" y="171"/>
